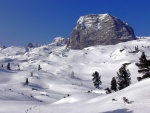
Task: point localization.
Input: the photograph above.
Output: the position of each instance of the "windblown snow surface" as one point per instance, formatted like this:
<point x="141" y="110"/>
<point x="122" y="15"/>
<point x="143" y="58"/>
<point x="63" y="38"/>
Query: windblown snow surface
<point x="53" y="89"/>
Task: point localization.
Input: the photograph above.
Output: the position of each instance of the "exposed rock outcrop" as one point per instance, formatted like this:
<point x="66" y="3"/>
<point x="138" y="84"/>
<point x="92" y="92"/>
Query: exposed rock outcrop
<point x="99" y="29"/>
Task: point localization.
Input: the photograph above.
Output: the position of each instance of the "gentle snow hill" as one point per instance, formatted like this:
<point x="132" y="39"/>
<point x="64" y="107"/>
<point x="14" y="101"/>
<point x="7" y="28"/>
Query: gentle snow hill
<point x="54" y="89"/>
<point x="138" y="95"/>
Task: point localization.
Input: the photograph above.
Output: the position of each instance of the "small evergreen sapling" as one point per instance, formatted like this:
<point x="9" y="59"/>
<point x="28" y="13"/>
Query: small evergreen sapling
<point x="114" y="84"/>
<point x="39" y="68"/>
<point x="18" y="67"/>
<point x="108" y="91"/>
<point x="27" y="82"/>
<point x="139" y="78"/>
<point x="8" y="66"/>
<point x="72" y="75"/>
<point x="31" y="74"/>
<point x="136" y="49"/>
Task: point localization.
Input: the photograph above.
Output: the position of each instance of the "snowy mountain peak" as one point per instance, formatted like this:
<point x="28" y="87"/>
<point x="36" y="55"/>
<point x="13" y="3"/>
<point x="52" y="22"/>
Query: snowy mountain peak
<point x="32" y="45"/>
<point x="100" y="29"/>
<point x="87" y="19"/>
<point x="59" y="41"/>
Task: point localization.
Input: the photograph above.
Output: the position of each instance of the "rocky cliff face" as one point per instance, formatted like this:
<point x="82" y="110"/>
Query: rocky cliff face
<point x="99" y="29"/>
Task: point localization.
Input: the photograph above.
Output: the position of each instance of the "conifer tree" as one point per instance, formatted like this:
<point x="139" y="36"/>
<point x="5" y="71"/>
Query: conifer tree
<point x="96" y="79"/>
<point x="144" y="66"/>
<point x="27" y="82"/>
<point x="136" y="49"/>
<point x="31" y="74"/>
<point x="114" y="84"/>
<point x="72" y="75"/>
<point x="8" y="66"/>
<point x="39" y="68"/>
<point x="18" y="67"/>
<point x="123" y="77"/>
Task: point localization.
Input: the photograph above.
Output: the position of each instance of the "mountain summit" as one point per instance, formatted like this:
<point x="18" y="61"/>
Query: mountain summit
<point x="33" y="45"/>
<point x="59" y="41"/>
<point x="99" y="29"/>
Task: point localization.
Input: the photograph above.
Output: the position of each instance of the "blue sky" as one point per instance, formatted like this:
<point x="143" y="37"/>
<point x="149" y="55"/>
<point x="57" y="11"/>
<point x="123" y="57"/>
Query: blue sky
<point x="24" y="21"/>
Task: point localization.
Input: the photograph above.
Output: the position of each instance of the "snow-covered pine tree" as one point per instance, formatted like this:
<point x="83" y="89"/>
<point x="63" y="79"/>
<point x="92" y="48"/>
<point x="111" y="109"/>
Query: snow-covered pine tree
<point x="123" y="77"/>
<point x="144" y="66"/>
<point x="114" y="84"/>
<point x="96" y="79"/>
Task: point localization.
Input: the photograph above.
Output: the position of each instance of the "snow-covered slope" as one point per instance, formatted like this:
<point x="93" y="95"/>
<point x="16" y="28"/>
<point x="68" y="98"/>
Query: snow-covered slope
<point x="53" y="89"/>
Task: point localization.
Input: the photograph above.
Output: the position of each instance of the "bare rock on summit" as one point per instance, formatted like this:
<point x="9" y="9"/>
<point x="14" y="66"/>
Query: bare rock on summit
<point x="99" y="29"/>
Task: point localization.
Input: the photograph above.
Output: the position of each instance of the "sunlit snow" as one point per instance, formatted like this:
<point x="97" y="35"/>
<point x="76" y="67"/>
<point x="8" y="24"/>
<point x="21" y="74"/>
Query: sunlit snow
<point x="54" y="89"/>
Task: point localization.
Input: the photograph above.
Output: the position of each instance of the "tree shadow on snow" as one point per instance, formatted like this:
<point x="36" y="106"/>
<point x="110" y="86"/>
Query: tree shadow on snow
<point x="119" y="111"/>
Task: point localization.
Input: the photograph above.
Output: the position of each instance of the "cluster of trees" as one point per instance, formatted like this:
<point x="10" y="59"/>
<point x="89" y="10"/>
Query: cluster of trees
<point x="136" y="50"/>
<point x="123" y="78"/>
<point x="26" y="81"/>
<point x="8" y="66"/>
<point x="120" y="82"/>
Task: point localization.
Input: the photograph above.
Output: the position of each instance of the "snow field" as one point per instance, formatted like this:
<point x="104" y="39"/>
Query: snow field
<point x="53" y="90"/>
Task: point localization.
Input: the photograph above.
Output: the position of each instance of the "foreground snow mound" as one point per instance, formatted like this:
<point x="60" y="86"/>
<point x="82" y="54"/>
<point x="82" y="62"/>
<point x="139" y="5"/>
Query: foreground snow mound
<point x="138" y="95"/>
